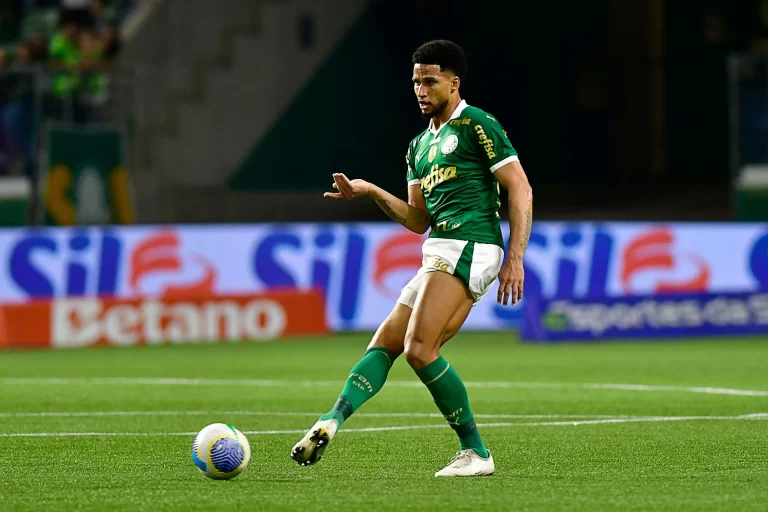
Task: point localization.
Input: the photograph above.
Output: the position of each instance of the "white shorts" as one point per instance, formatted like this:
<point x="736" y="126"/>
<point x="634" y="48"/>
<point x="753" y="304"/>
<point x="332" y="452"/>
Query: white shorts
<point x="477" y="265"/>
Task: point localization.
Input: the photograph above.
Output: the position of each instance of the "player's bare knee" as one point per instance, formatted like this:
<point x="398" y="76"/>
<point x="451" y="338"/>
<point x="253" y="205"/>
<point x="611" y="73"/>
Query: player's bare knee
<point x="419" y="352"/>
<point x="417" y="357"/>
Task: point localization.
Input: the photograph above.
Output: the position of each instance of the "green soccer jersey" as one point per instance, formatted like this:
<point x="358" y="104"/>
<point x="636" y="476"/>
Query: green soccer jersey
<point x="455" y="166"/>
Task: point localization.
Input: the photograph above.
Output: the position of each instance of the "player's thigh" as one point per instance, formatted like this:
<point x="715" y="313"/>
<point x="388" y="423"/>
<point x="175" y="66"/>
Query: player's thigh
<point x="455" y="323"/>
<point x="391" y="332"/>
<point x="480" y="276"/>
<point x="441" y="298"/>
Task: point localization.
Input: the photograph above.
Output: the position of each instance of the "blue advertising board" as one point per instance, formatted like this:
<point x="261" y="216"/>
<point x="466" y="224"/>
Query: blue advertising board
<point x="645" y="316"/>
<point x="361" y="267"/>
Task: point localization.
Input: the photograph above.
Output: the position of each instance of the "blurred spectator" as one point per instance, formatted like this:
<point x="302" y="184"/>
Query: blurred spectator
<point x="17" y="126"/>
<point x="91" y="49"/>
<point x="100" y="15"/>
<point x="64" y="54"/>
<point x="16" y="121"/>
<point x="98" y="52"/>
<point x="77" y="57"/>
<point x="24" y="54"/>
<point x="5" y="59"/>
<point x="112" y="43"/>
<point x="38" y="45"/>
<point x="89" y="44"/>
<point x="64" y="59"/>
<point x="105" y="22"/>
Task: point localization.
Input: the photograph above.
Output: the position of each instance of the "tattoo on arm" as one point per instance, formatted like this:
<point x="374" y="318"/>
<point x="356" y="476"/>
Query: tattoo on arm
<point x="527" y="233"/>
<point x="384" y="205"/>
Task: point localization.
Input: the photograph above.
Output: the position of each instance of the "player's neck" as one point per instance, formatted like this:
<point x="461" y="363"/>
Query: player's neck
<point x="443" y="118"/>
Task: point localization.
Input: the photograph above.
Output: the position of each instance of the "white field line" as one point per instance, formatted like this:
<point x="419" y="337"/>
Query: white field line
<point x="151" y="381"/>
<point x="649" y="419"/>
<point x="90" y="414"/>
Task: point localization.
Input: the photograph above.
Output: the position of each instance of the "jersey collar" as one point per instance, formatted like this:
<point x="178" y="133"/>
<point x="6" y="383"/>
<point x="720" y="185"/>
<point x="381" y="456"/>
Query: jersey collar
<point x="456" y="113"/>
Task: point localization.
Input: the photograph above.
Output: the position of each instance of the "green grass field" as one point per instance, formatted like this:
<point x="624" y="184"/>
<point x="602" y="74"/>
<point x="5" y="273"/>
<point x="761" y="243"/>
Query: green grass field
<point x="614" y="426"/>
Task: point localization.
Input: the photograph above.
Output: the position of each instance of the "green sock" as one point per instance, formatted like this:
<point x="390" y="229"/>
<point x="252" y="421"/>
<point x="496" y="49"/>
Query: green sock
<point x="451" y="398"/>
<point x="364" y="381"/>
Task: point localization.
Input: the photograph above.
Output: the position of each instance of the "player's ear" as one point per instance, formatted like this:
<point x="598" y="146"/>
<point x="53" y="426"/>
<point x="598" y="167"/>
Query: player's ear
<point x="455" y="83"/>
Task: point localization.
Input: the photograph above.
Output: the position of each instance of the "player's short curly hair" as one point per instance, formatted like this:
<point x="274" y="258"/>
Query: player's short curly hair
<point x="446" y="54"/>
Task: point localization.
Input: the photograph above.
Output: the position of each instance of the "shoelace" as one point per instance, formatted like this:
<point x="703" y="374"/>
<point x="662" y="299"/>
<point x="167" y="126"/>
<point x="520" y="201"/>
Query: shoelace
<point x="464" y="457"/>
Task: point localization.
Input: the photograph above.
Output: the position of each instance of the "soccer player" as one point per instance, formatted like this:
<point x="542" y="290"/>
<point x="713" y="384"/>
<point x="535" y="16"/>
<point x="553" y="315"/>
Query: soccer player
<point x="454" y="170"/>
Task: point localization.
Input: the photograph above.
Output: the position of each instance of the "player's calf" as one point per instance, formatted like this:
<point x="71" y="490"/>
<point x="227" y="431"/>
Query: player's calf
<point x="443" y="305"/>
<point x="363" y="382"/>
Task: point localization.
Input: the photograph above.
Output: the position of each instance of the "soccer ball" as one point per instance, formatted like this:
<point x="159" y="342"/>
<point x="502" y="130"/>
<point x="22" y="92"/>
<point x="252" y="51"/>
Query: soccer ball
<point x="220" y="451"/>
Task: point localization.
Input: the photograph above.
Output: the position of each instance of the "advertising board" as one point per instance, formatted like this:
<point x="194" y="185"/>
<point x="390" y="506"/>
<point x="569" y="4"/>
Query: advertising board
<point x="361" y="267"/>
<point x="645" y="316"/>
<point x="72" y="322"/>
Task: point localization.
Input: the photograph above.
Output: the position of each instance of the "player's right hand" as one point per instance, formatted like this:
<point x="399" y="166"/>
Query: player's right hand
<point x="511" y="277"/>
<point x="347" y="189"/>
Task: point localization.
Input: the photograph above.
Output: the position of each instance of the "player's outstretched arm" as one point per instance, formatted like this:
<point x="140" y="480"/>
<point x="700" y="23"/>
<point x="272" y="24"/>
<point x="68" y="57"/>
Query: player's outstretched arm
<point x="520" y="198"/>
<point x="413" y="214"/>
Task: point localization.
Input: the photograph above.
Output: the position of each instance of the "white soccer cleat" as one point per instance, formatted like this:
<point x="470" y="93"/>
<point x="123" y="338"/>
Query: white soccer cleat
<point x="468" y="463"/>
<point x="310" y="449"/>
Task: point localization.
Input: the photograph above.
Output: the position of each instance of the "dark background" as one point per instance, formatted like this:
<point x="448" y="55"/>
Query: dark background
<point x="619" y="109"/>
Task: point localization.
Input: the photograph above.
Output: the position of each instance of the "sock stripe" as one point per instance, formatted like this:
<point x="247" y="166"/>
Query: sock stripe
<point x="387" y="353"/>
<point x="447" y="365"/>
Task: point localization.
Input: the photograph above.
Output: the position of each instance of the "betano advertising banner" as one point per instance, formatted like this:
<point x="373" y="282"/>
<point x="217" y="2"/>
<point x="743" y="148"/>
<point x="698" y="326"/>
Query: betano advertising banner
<point x="72" y="322"/>
<point x="361" y="268"/>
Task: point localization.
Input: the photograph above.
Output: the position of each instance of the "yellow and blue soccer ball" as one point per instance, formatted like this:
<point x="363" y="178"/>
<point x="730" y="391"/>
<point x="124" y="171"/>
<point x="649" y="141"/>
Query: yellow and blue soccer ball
<point x="220" y="451"/>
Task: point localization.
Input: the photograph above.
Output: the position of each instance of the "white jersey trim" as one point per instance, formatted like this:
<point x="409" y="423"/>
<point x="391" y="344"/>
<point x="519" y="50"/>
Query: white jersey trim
<point x="498" y="165"/>
<point x="456" y="113"/>
<point x="413" y="182"/>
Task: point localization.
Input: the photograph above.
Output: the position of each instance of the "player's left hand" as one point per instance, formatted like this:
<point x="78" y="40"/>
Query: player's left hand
<point x="347" y="189"/>
<point x="511" y="277"/>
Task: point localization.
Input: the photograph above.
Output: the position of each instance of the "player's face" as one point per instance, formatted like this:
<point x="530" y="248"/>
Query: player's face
<point x="433" y="88"/>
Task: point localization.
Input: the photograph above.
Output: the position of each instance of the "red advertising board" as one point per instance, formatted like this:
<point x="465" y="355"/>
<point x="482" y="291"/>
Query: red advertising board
<point x="91" y="321"/>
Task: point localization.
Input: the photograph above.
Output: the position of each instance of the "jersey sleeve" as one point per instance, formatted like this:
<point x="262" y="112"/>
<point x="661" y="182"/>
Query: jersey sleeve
<point x="411" y="174"/>
<point x="493" y="145"/>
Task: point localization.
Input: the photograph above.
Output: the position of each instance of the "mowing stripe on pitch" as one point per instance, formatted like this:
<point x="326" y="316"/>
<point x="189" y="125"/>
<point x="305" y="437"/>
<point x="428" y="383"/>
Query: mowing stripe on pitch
<point x="88" y="414"/>
<point x="648" y="419"/>
<point x="153" y="381"/>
